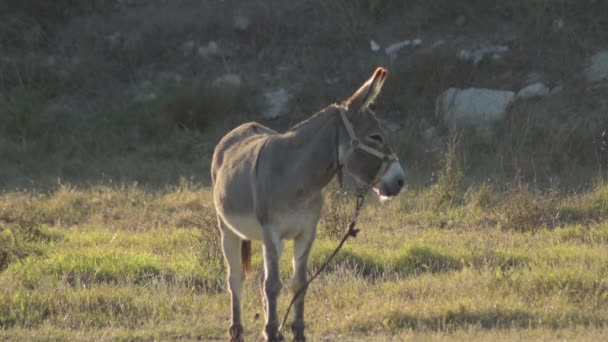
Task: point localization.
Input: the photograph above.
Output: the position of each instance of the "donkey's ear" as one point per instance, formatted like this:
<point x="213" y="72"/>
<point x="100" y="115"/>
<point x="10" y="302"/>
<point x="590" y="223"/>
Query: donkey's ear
<point x="367" y="93"/>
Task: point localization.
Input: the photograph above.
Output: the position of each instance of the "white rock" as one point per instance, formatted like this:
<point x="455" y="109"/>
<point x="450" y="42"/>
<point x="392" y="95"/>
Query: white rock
<point x="598" y="67"/>
<point x="533" y="90"/>
<point x="392" y="49"/>
<point x="496" y="52"/>
<point x="276" y="103"/>
<point x="375" y="47"/>
<point x="241" y="23"/>
<point x="208" y="50"/>
<point x="473" y="106"/>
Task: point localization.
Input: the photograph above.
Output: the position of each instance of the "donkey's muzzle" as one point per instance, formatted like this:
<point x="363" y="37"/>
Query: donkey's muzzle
<point x="391" y="183"/>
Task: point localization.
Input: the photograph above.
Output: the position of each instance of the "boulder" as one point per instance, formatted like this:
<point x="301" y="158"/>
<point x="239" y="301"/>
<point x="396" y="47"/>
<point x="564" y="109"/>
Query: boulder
<point x="473" y="107"/>
<point x="598" y="67"/>
<point x="533" y="90"/>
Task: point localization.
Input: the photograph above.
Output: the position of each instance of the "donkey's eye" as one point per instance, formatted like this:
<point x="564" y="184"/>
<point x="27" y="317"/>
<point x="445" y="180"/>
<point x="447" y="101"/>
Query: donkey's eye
<point x="376" y="138"/>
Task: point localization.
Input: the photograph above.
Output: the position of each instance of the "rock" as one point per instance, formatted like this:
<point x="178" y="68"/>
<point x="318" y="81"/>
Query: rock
<point x="241" y="23"/>
<point x="392" y="50"/>
<point x="276" y="103"/>
<point x="375" y="47"/>
<point x="473" y="107"/>
<point x="533" y="90"/>
<point x="496" y="52"/>
<point x="208" y="50"/>
<point x="598" y="67"/>
<point x="395" y="47"/>
<point x="533" y="77"/>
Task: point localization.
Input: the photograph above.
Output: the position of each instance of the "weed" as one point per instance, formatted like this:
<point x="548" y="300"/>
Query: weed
<point x="524" y="210"/>
<point x="448" y="188"/>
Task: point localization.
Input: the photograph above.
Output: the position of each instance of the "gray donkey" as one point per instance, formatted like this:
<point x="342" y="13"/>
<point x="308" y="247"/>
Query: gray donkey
<point x="268" y="186"/>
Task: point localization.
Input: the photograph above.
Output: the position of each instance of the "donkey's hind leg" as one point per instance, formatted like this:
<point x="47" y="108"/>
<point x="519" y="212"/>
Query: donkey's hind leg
<point x="231" y="245"/>
<point x="302" y="245"/>
<point x="273" y="248"/>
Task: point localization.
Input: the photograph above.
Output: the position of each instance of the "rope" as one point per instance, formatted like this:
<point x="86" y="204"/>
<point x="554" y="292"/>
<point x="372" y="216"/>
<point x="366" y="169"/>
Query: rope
<point x="352" y="231"/>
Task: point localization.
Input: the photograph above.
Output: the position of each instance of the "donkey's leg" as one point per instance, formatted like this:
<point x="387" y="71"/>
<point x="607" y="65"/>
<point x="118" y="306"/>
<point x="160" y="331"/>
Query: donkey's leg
<point x="273" y="248"/>
<point x="231" y="245"/>
<point x="302" y="246"/>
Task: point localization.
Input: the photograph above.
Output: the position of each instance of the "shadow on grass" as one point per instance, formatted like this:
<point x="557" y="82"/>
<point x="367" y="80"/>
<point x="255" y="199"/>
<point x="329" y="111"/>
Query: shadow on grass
<point x="485" y="319"/>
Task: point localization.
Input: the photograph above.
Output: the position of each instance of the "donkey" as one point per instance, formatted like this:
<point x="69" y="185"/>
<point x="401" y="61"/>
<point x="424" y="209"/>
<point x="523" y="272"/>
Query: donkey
<point x="268" y="186"/>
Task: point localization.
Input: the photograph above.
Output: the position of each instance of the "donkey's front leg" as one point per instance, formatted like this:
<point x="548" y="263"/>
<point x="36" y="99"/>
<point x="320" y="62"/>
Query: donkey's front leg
<point x="273" y="248"/>
<point x="231" y="245"/>
<point x="302" y="245"/>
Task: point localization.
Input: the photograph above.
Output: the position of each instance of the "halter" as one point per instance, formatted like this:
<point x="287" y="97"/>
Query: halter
<point x="355" y="144"/>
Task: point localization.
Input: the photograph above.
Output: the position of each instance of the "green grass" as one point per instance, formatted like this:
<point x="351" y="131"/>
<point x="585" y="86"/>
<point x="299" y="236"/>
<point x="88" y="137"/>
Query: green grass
<point x="124" y="263"/>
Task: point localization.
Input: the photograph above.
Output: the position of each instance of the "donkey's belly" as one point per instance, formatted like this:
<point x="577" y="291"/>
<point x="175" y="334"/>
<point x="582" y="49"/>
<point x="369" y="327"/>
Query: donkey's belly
<point x="245" y="226"/>
<point x="287" y="225"/>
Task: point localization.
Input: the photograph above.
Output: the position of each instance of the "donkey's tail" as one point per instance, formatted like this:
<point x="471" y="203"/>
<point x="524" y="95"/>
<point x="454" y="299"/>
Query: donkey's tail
<point x="246" y="256"/>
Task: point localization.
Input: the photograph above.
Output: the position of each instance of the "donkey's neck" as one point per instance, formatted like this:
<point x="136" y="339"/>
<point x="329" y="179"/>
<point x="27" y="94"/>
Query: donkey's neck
<point x="313" y="149"/>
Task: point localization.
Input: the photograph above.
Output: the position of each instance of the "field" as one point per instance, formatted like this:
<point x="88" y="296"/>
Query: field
<point x="109" y="114"/>
<point x="124" y="263"/>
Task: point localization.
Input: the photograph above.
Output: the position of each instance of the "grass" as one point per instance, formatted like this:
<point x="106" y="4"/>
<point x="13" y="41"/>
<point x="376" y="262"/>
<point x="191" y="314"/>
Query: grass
<point x="135" y="268"/>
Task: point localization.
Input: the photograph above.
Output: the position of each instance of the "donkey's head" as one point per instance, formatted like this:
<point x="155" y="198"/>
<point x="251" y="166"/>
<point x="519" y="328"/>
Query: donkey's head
<point x="365" y="151"/>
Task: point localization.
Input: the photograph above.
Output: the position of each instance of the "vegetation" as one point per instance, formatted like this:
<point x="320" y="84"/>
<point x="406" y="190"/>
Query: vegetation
<point x="109" y="262"/>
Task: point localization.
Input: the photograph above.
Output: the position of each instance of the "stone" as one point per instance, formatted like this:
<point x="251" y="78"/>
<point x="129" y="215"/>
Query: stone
<point x="597" y="70"/>
<point x="276" y="103"/>
<point x="533" y="90"/>
<point x="211" y="49"/>
<point x="375" y="47"/>
<point x="495" y="52"/>
<point x="473" y="107"/>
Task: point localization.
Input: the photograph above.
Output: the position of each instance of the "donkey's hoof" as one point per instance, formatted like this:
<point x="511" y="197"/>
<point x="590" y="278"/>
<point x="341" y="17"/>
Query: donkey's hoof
<point x="236" y="333"/>
<point x="277" y="337"/>
<point x="298" y="332"/>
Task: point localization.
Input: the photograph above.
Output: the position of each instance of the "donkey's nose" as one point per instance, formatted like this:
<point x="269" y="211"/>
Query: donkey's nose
<point x="393" y="180"/>
<point x="396" y="186"/>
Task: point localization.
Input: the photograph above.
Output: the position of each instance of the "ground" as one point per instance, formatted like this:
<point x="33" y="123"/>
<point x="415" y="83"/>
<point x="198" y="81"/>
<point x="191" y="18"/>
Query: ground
<point x="109" y="115"/>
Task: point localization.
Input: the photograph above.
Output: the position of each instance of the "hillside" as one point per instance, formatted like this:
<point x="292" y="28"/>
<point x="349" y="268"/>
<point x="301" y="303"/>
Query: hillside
<point x="123" y="90"/>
